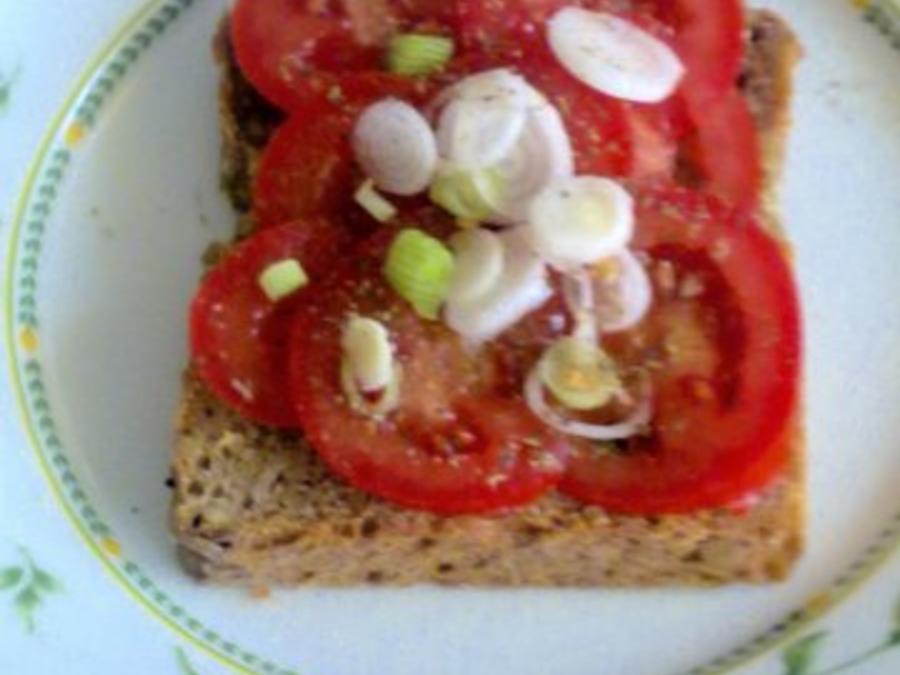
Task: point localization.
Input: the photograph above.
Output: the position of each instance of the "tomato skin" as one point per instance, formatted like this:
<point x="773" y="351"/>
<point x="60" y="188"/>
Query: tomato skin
<point x="298" y="51"/>
<point x="238" y="336"/>
<point x="705" y="451"/>
<point x="453" y="445"/>
<point x="710" y="43"/>
<point x="723" y="145"/>
<point x="610" y="137"/>
<point x="725" y="150"/>
<point x="306" y="169"/>
<point x="598" y="125"/>
<point x="280" y="43"/>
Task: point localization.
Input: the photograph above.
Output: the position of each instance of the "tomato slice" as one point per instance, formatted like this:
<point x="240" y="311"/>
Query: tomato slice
<point x="297" y="50"/>
<point x="453" y="445"/>
<point x="238" y="336"/>
<point x="306" y="169"/>
<point x="609" y="137"/>
<point x="598" y="125"/>
<point x="710" y="43"/>
<point x="726" y="327"/>
<point x="724" y="151"/>
<point x="428" y="16"/>
<point x="515" y="29"/>
<point x="504" y="29"/>
<point x="723" y="148"/>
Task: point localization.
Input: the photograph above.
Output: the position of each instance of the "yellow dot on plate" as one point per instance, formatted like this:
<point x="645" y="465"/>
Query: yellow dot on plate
<point x="28" y="339"/>
<point x="75" y="134"/>
<point x="860" y="3"/>
<point x="818" y="604"/>
<point x="112" y="547"/>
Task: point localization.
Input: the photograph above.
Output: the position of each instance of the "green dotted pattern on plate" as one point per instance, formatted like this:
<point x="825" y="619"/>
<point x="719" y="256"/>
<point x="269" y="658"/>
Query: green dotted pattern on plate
<point x="27" y="265"/>
<point x="29" y="231"/>
<point x="796" y="621"/>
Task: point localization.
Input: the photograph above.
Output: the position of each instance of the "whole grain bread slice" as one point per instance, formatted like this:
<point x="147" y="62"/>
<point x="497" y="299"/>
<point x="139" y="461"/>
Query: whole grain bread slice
<point x="255" y="506"/>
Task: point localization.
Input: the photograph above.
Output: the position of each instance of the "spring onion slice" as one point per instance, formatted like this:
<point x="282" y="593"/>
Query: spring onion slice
<point x="377" y="206"/>
<point x="282" y="279"/>
<point x="625" y="293"/>
<point x="479" y="133"/>
<point x="499" y="86"/>
<point x="420" y="268"/>
<point x="543" y="153"/>
<point x="479" y="265"/>
<point x="522" y="288"/>
<point x="368" y="353"/>
<point x="536" y="399"/>
<point x="419" y="54"/>
<point x="468" y="194"/>
<point x="580" y="374"/>
<point x="395" y="146"/>
<point x="384" y="404"/>
<point x="580" y="220"/>
<point x="581" y="298"/>
<point x="614" y="56"/>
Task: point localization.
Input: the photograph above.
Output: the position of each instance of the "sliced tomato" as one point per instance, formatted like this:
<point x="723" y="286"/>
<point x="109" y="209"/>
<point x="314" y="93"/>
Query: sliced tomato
<point x="722" y="147"/>
<point x="710" y="43"/>
<point x="724" y="151"/>
<point x="238" y="336"/>
<point x="609" y="137"/>
<point x="503" y="29"/>
<point x="306" y="169"/>
<point x="516" y="29"/>
<point x="297" y="50"/>
<point x="652" y="141"/>
<point x="428" y="16"/>
<point x="598" y="125"/>
<point x="453" y="444"/>
<point x="725" y="337"/>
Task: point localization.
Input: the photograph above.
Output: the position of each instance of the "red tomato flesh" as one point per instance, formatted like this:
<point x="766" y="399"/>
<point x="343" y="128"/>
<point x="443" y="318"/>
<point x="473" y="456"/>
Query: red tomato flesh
<point x="295" y="51"/>
<point x="306" y="169"/>
<point x="724" y="150"/>
<point x="710" y="42"/>
<point x="453" y="445"/>
<point x="238" y="336"/>
<point x="727" y="389"/>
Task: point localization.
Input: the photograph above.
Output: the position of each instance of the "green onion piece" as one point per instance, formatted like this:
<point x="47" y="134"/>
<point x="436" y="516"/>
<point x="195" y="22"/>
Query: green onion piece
<point x="418" y="54"/>
<point x="419" y="268"/>
<point x="471" y="195"/>
<point x="371" y="200"/>
<point x="281" y="279"/>
<point x="386" y="402"/>
<point x="580" y="375"/>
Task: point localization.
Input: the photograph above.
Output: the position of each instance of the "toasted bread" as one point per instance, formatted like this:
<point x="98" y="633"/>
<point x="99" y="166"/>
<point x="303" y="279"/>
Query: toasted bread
<point x="257" y="507"/>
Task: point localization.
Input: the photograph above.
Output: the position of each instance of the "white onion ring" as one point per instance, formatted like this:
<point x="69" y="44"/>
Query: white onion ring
<point x="521" y="289"/>
<point x="395" y="146"/>
<point x="624" y="302"/>
<point x="629" y="427"/>
<point x="614" y="56"/>
<point x="477" y="134"/>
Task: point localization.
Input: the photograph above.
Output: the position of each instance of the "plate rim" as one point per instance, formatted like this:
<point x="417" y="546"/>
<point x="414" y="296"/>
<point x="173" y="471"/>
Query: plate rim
<point x="75" y="117"/>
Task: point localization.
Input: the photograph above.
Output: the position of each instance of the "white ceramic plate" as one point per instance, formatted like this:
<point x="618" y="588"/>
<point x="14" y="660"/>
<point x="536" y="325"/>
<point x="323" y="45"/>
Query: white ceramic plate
<point x="104" y="247"/>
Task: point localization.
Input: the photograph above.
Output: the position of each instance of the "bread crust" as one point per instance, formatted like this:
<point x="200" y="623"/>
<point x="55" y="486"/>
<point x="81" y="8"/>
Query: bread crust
<point x="254" y="506"/>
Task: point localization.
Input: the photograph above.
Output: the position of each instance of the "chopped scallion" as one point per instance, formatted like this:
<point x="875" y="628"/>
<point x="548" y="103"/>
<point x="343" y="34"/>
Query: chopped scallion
<point x="470" y="195"/>
<point x="282" y="279"/>
<point x="371" y="200"/>
<point x="419" y="268"/>
<point x="418" y="54"/>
